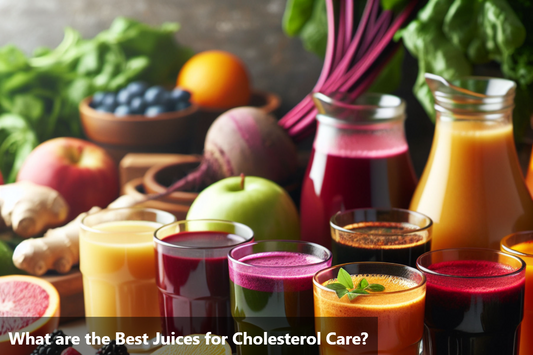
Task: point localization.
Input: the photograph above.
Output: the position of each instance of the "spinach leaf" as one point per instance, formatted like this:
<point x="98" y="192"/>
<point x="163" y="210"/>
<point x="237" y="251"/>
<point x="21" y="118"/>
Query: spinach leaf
<point x="296" y="15"/>
<point x="315" y="31"/>
<point x="449" y="36"/>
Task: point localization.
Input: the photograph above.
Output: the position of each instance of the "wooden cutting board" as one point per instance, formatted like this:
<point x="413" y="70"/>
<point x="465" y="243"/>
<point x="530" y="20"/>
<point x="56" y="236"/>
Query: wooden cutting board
<point x="70" y="288"/>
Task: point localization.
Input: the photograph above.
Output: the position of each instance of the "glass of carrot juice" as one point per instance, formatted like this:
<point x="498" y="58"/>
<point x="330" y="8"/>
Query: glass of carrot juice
<point x="117" y="261"/>
<point x="398" y="307"/>
<point x="521" y="244"/>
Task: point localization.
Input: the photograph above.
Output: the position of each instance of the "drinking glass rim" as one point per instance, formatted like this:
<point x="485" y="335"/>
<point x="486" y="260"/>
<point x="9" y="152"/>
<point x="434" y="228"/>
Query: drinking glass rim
<point x="515" y="252"/>
<point x="147" y="209"/>
<point x="322" y="287"/>
<point x="230" y="257"/>
<point x="433" y="273"/>
<point x="419" y="229"/>
<point x="162" y="242"/>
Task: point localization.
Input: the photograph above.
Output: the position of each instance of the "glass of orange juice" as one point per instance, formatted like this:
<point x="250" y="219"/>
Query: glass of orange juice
<point x="521" y="244"/>
<point x="117" y="261"/>
<point x="398" y="309"/>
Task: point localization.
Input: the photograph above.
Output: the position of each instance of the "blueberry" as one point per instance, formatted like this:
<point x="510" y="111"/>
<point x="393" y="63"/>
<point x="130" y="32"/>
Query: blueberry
<point x="124" y="97"/>
<point x="137" y="105"/>
<point x="122" y="110"/>
<point x="155" y="110"/>
<point x="97" y="98"/>
<point x="137" y="88"/>
<point x="180" y="95"/>
<point x="109" y="100"/>
<point x="181" y="105"/>
<point x="156" y="95"/>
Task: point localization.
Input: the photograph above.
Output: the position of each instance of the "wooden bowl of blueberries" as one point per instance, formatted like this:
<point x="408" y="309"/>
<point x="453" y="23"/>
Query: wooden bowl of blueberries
<point x="139" y="118"/>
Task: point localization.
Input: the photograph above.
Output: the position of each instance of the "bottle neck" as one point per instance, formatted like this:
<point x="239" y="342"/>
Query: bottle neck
<point x="489" y="118"/>
<point x="360" y="141"/>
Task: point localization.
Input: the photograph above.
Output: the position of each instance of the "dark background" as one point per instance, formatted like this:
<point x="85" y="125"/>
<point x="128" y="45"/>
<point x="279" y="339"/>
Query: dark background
<point x="250" y="29"/>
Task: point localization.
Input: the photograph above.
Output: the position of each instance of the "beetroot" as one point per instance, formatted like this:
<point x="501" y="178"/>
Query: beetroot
<point x="246" y="140"/>
<point x="243" y="140"/>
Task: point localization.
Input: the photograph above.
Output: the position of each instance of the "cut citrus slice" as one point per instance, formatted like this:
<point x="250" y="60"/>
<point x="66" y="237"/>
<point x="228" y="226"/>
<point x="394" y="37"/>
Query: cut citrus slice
<point x="27" y="304"/>
<point x="202" y="348"/>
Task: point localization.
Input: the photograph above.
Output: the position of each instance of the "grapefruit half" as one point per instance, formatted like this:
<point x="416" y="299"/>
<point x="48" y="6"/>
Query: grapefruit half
<point x="27" y="304"/>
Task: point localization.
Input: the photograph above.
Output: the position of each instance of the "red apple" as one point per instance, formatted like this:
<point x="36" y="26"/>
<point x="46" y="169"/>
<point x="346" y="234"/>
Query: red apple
<point x="83" y="173"/>
<point x="1" y="179"/>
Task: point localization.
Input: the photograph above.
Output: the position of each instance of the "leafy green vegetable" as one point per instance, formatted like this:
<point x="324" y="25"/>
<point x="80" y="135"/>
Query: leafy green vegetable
<point x="297" y="13"/>
<point x="39" y="96"/>
<point x="391" y="76"/>
<point x="307" y="19"/>
<point x="314" y="33"/>
<point x="449" y="37"/>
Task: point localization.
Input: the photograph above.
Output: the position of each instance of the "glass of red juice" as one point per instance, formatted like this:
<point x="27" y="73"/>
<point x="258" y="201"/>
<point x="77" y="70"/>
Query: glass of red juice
<point x="360" y="159"/>
<point x="272" y="291"/>
<point x="371" y="234"/>
<point x="474" y="301"/>
<point x="192" y="275"/>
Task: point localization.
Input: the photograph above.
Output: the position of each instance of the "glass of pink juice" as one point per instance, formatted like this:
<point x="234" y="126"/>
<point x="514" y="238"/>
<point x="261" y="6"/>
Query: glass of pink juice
<point x="192" y="275"/>
<point x="474" y="301"/>
<point x="272" y="291"/>
<point x="360" y="159"/>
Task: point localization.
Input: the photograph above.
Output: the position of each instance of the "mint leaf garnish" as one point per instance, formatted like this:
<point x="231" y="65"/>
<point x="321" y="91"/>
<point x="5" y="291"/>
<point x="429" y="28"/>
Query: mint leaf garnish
<point x="345" y="286"/>
<point x="363" y="284"/>
<point x="352" y="296"/>
<point x="345" y="278"/>
<point x="375" y="287"/>
<point x="341" y="293"/>
<point x="336" y="286"/>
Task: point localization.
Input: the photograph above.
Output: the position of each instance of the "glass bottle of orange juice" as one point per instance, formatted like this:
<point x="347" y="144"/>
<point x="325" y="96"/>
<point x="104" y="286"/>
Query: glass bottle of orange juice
<point x="472" y="186"/>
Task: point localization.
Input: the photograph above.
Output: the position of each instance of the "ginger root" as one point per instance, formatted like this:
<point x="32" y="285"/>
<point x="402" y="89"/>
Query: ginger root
<point x="58" y="249"/>
<point x="30" y="209"/>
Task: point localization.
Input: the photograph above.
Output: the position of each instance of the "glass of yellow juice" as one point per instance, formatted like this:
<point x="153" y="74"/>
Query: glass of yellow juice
<point x="521" y="245"/>
<point x="117" y="261"/>
<point x="392" y="316"/>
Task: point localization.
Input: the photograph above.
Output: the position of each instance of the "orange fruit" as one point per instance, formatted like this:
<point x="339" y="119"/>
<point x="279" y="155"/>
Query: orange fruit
<point x="27" y="304"/>
<point x="216" y="80"/>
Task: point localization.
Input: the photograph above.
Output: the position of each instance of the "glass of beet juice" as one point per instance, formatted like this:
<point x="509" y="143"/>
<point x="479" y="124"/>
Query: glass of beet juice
<point x="192" y="275"/>
<point x="474" y="301"/>
<point x="370" y="234"/>
<point x="272" y="291"/>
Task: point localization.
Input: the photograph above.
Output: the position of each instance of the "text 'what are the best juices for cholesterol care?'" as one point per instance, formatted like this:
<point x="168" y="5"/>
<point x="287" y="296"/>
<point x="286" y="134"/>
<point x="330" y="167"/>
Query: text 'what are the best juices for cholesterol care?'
<point x="239" y="338"/>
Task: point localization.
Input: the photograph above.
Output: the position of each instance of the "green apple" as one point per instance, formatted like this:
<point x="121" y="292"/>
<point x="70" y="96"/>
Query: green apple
<point x="258" y="203"/>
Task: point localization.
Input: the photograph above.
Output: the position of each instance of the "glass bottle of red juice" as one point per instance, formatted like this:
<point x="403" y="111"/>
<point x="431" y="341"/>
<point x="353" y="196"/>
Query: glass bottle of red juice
<point x="360" y="159"/>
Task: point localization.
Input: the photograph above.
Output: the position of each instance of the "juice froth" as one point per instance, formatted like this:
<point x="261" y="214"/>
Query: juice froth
<point x="277" y="271"/>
